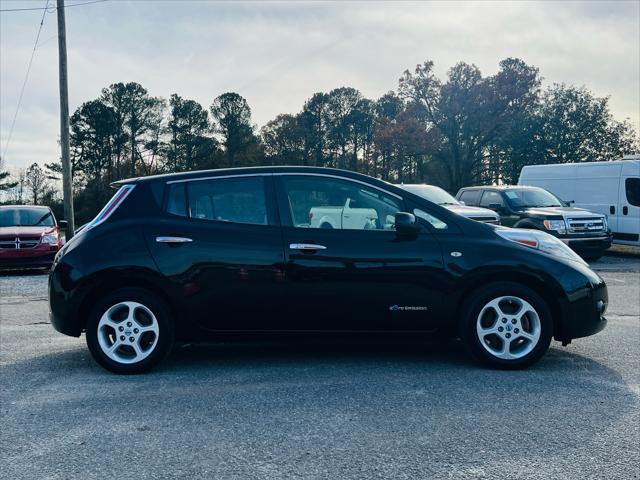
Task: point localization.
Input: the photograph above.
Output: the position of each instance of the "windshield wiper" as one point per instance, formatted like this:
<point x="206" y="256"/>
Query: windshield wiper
<point x="41" y="219"/>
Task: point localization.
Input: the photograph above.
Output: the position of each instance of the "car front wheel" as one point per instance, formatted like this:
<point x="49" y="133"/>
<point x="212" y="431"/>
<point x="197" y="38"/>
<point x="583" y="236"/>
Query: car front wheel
<point x="129" y="331"/>
<point x="507" y="325"/>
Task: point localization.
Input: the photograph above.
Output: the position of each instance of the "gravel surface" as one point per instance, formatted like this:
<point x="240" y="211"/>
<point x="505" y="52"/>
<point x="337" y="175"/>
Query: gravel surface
<point x="319" y="409"/>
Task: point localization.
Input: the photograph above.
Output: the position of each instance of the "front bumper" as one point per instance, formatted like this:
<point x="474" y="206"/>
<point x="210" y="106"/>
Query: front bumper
<point x="583" y="314"/>
<point x="31" y="258"/>
<point x="595" y="244"/>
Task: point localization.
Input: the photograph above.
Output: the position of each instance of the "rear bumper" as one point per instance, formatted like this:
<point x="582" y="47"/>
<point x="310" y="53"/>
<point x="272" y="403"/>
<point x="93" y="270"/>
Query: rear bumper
<point x="63" y="305"/>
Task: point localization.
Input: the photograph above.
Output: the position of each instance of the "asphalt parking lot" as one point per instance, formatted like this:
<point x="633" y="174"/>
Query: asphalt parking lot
<point x="320" y="409"/>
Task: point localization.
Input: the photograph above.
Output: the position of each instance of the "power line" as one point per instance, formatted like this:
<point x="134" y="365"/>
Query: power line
<point x="53" y="7"/>
<point x="26" y="77"/>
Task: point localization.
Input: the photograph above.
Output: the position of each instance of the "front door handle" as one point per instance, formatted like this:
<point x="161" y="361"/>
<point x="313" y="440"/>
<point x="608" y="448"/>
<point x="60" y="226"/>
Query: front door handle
<point x="306" y="246"/>
<point x="625" y="210"/>
<point x="173" y="240"/>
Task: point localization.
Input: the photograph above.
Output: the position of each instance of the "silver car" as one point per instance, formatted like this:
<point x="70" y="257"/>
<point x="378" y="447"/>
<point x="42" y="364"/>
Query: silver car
<point x="441" y="197"/>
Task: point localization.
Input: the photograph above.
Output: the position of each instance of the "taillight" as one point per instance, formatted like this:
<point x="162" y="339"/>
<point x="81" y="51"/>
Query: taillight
<point x="112" y="205"/>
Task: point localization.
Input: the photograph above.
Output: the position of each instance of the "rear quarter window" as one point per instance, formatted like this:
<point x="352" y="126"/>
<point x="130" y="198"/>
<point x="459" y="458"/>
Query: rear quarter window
<point x="176" y="200"/>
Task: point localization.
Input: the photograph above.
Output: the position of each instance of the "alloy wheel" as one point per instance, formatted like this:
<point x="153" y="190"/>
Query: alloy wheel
<point x="508" y="327"/>
<point x="128" y="332"/>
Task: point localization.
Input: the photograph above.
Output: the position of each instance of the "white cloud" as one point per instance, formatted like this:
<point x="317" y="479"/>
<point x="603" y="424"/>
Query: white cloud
<point x="278" y="54"/>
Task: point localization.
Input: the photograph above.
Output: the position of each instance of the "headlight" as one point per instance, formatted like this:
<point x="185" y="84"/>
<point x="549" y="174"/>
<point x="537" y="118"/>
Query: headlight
<point x="605" y="223"/>
<point x="540" y="241"/>
<point x="557" y="225"/>
<point x="50" y="238"/>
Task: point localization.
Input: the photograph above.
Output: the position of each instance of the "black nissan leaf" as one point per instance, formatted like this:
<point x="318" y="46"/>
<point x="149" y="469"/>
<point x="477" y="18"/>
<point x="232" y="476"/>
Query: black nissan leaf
<point x="295" y="249"/>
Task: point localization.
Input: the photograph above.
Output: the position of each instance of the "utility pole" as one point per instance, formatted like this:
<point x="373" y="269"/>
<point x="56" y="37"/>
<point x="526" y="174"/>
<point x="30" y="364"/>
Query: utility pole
<point x="67" y="183"/>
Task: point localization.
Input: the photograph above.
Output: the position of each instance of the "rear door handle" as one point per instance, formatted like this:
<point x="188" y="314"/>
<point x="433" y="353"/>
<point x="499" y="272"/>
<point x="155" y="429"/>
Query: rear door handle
<point x="173" y="240"/>
<point x="306" y="246"/>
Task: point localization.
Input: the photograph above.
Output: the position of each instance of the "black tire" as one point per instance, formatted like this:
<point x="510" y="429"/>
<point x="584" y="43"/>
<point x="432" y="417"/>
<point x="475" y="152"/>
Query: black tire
<point x="165" y="337"/>
<point x="326" y="225"/>
<point x="481" y="297"/>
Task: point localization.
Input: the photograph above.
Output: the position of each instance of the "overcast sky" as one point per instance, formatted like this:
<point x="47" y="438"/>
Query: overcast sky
<point x="278" y="54"/>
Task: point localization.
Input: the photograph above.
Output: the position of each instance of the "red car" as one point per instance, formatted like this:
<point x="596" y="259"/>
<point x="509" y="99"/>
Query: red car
<point x="29" y="236"/>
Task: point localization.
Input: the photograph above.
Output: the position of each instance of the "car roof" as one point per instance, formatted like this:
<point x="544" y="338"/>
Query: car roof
<point x="502" y="187"/>
<point x="402" y="185"/>
<point x="196" y="174"/>
<point x="24" y="206"/>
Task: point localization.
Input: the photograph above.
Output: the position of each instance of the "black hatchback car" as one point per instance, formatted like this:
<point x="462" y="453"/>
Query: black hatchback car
<point x="294" y="249"/>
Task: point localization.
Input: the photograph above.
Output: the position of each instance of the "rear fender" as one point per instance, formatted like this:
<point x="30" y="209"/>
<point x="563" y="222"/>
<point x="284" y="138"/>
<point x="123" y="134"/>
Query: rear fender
<point x="104" y="282"/>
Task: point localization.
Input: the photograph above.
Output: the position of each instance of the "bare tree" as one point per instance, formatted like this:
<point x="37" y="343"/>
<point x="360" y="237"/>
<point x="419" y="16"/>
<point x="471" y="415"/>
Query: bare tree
<point x="36" y="181"/>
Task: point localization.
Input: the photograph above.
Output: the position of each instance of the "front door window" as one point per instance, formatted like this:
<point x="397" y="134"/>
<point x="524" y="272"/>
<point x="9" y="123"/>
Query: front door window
<point x="317" y="202"/>
<point x="491" y="199"/>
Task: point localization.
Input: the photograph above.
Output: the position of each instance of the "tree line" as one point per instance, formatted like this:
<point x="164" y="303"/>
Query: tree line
<point x="453" y="132"/>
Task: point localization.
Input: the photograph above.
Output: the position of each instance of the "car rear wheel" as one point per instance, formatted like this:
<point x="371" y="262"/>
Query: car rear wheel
<point x="507" y="325"/>
<point x="130" y="331"/>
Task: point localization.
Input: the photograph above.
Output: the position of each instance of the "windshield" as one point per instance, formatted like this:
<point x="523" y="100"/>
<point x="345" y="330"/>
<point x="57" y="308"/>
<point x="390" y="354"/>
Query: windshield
<point x="532" y="197"/>
<point x="432" y="193"/>
<point x="26" y="217"/>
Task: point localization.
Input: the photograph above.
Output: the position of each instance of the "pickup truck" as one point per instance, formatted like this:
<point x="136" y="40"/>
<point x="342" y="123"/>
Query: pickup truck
<point x="530" y="207"/>
<point x="347" y="216"/>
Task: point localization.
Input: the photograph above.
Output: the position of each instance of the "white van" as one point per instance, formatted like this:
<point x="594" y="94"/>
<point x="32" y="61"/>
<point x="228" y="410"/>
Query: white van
<point x="612" y="188"/>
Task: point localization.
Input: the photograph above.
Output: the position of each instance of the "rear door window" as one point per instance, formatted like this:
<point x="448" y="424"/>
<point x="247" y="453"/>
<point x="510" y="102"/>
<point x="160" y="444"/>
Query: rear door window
<point x="239" y="200"/>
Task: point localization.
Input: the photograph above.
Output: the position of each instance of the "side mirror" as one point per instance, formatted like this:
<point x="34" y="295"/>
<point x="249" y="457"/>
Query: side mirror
<point x="406" y="224"/>
<point x="461" y="202"/>
<point x="62" y="224"/>
<point x="496" y="207"/>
